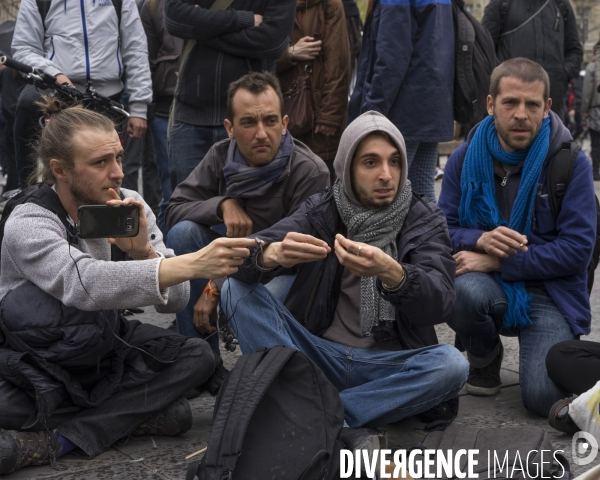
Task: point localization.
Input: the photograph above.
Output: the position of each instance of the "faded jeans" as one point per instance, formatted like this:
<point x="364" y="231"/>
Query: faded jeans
<point x="477" y="320"/>
<point x="376" y="387"/>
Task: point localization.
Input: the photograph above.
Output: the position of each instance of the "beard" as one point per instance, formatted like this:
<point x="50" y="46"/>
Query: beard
<point x="505" y="133"/>
<point x="80" y="190"/>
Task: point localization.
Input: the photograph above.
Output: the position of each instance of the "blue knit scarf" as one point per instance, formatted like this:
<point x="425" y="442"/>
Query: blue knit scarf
<point x="479" y="209"/>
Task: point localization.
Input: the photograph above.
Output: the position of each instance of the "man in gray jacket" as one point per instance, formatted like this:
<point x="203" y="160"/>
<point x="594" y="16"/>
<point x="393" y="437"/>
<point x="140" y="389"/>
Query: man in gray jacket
<point x="78" y="42"/>
<point x="245" y="183"/>
<point x="69" y="362"/>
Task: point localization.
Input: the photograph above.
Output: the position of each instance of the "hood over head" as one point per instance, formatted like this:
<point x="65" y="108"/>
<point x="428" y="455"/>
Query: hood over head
<point x="366" y="124"/>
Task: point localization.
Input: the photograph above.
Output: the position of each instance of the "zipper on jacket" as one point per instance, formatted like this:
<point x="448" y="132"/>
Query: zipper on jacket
<point x="53" y="51"/>
<point x="503" y="184"/>
<point x="85" y="41"/>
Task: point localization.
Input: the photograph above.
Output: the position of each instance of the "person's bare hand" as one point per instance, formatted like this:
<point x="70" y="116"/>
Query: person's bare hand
<point x="305" y="49"/>
<point x="370" y="262"/>
<point x="205" y="313"/>
<point x="257" y="20"/>
<point x="502" y="242"/>
<point x="296" y="248"/>
<point x="61" y="78"/>
<point x="236" y="220"/>
<point x="221" y="257"/>
<point x="326" y="130"/>
<point x="467" y="262"/>
<point x="136" y="127"/>
<point x="135" y="246"/>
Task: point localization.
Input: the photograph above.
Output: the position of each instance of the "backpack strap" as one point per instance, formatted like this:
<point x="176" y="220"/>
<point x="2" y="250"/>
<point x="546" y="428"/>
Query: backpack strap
<point x="247" y="383"/>
<point x="44" y="196"/>
<point x="43" y="7"/>
<point x="559" y="173"/>
<point x="118" y="4"/>
<point x="504" y="9"/>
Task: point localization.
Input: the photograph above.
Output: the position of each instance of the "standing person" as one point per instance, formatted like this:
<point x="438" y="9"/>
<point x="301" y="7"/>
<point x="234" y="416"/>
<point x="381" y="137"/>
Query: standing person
<point x="542" y="31"/>
<point x="590" y="109"/>
<point x="78" y="42"/>
<point x="319" y="48"/>
<point x="249" y="36"/>
<point x="520" y="272"/>
<point x="406" y="72"/>
<point x="164" y="51"/>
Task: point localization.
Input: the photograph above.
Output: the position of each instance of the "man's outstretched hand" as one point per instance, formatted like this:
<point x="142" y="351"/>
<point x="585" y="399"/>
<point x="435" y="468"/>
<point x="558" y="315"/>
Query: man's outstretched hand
<point x="296" y="248"/>
<point x="369" y="262"/>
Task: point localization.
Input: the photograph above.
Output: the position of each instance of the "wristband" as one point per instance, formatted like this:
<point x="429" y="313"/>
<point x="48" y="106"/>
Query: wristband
<point x="144" y="257"/>
<point x="397" y="287"/>
<point x="211" y="291"/>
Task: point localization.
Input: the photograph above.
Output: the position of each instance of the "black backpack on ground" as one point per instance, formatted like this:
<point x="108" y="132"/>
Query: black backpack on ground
<point x="519" y="446"/>
<point x="43" y="195"/>
<point x="475" y="58"/>
<point x="275" y="412"/>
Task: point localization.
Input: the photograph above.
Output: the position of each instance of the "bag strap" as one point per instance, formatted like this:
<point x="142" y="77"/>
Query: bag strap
<point x="526" y="21"/>
<point x="248" y="383"/>
<point x="559" y="173"/>
<point x="189" y="45"/>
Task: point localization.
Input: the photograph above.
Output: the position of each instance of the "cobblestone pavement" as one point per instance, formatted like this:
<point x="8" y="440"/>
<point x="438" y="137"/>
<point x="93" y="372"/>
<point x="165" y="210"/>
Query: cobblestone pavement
<point x="164" y="457"/>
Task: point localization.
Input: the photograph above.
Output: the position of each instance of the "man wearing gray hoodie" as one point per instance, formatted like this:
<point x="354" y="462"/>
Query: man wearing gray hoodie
<point x="374" y="274"/>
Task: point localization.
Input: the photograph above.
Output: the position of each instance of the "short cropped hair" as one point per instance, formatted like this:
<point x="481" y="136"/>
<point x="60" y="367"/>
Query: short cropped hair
<point x="255" y="83"/>
<point x="522" y="69"/>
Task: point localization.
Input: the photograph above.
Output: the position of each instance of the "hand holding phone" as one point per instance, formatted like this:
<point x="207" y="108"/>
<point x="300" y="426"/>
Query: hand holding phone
<point x="136" y="246"/>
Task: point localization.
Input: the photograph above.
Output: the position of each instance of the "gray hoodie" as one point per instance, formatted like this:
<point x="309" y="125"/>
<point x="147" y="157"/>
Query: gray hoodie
<point x="366" y="124"/>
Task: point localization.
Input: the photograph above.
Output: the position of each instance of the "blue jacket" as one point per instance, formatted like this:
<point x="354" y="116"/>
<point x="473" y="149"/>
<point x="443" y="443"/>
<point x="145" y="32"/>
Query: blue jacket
<point x="406" y="69"/>
<point x="559" y="252"/>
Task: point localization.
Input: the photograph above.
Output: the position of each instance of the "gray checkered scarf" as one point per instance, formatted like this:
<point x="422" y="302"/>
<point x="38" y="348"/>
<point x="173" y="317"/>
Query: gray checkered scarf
<point x="380" y="228"/>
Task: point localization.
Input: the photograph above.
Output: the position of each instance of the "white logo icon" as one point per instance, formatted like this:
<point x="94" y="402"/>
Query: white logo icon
<point x="584" y="448"/>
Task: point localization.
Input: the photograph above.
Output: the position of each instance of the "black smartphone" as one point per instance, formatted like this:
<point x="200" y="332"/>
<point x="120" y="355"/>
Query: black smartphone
<point x="104" y="221"/>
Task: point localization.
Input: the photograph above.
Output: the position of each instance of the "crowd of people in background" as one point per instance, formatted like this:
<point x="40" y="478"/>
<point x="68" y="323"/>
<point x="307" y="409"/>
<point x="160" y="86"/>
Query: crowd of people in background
<point x="288" y="143"/>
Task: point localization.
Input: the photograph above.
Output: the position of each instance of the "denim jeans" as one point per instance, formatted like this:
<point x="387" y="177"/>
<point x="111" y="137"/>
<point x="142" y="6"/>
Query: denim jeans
<point x="477" y="320"/>
<point x="376" y="387"/>
<point x="187" y="237"/>
<point x="422" y="157"/>
<point x="158" y="126"/>
<point x="188" y="144"/>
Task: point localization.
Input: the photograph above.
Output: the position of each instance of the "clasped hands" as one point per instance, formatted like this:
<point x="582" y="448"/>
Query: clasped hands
<point x="502" y="242"/>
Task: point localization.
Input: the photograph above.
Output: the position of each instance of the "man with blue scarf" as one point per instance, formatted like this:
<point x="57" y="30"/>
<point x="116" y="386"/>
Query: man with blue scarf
<point x="244" y="184"/>
<point x="519" y="271"/>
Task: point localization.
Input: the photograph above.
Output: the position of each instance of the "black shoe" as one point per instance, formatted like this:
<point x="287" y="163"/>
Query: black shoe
<point x="172" y="420"/>
<point x="364" y="439"/>
<point x="21" y="449"/>
<point x="486" y="381"/>
<point x="560" y="419"/>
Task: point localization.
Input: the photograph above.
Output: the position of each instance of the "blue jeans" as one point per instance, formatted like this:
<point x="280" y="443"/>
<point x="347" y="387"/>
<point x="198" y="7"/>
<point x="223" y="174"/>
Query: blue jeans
<point x="158" y="126"/>
<point x="376" y="387"/>
<point x="477" y="320"/>
<point x="422" y="158"/>
<point x="187" y="237"/>
<point x="188" y="144"/>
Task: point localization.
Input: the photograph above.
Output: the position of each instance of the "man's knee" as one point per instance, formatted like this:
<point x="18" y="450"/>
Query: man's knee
<point x="187" y="237"/>
<point x="455" y="366"/>
<point x="197" y="360"/>
<point x="472" y="296"/>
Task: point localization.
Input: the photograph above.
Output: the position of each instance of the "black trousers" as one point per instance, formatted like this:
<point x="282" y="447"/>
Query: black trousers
<point x="94" y="430"/>
<point x="574" y="365"/>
